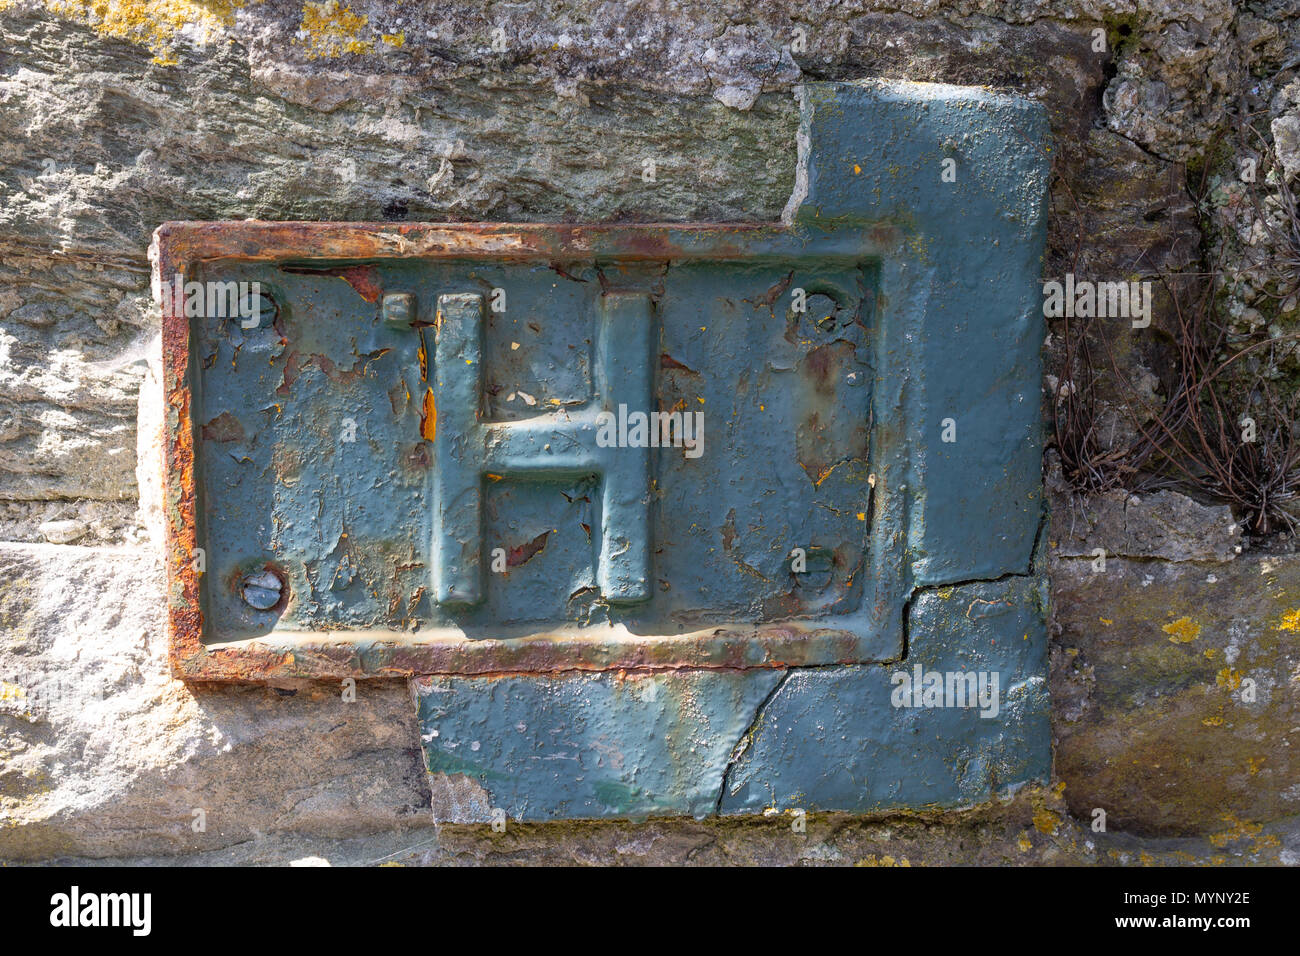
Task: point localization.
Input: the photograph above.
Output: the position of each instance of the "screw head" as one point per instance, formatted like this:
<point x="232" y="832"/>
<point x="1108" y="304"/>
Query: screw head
<point x="262" y="590"/>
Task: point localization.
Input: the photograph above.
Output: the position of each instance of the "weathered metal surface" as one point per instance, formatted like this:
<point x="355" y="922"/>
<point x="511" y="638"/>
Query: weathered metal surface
<point x="824" y="430"/>
<point x="402" y="473"/>
<point x="820" y="738"/>
<point x="371" y="448"/>
<point x="831" y="738"/>
<point x="585" y="745"/>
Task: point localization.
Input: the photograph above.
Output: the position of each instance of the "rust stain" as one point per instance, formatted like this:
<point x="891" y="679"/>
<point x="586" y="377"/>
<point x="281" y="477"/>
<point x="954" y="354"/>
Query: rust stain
<point x="773" y="293"/>
<point x="364" y="278"/>
<point x="821" y="361"/>
<point x="295" y="241"/>
<point x="562" y="269"/>
<point x="526" y="551"/>
<point x="667" y="361"/>
<point x="429" y="416"/>
<point x="292" y="369"/>
<point x="295" y="364"/>
<point x="399" y="396"/>
<point x="729" y="531"/>
<point x="224" y="428"/>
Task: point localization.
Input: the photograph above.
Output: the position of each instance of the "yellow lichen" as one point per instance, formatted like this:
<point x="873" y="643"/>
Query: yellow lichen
<point x="331" y="29"/>
<point x="1046" y="821"/>
<point x="1268" y="841"/>
<point x="152" y="24"/>
<point x="1228" y="678"/>
<point x="1237" y="830"/>
<point x="1183" y="631"/>
<point x="870" y="860"/>
<point x="1290" y="621"/>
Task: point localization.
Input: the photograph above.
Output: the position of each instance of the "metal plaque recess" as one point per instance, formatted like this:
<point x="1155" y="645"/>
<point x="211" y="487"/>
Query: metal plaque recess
<point x="489" y="448"/>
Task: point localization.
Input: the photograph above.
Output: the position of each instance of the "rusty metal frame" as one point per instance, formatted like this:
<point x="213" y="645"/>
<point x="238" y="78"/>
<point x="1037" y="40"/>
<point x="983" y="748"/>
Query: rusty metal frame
<point x="871" y="635"/>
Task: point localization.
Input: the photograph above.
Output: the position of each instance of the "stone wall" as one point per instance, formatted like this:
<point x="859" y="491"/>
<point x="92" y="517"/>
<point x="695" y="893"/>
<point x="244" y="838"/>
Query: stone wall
<point x="1175" y="668"/>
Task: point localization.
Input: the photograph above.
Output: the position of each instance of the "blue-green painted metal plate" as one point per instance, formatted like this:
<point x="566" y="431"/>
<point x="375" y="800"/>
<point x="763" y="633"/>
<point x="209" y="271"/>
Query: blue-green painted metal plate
<point x="413" y="450"/>
<point x="482" y="485"/>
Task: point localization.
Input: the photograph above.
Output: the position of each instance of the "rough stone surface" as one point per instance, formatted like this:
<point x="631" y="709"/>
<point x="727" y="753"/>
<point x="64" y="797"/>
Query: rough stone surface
<point x="1154" y="669"/>
<point x="101" y="752"/>
<point x="1033" y="827"/>
<point x="1166" y="525"/>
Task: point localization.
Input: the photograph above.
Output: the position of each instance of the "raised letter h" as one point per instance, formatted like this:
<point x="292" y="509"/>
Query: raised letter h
<point x="553" y="445"/>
